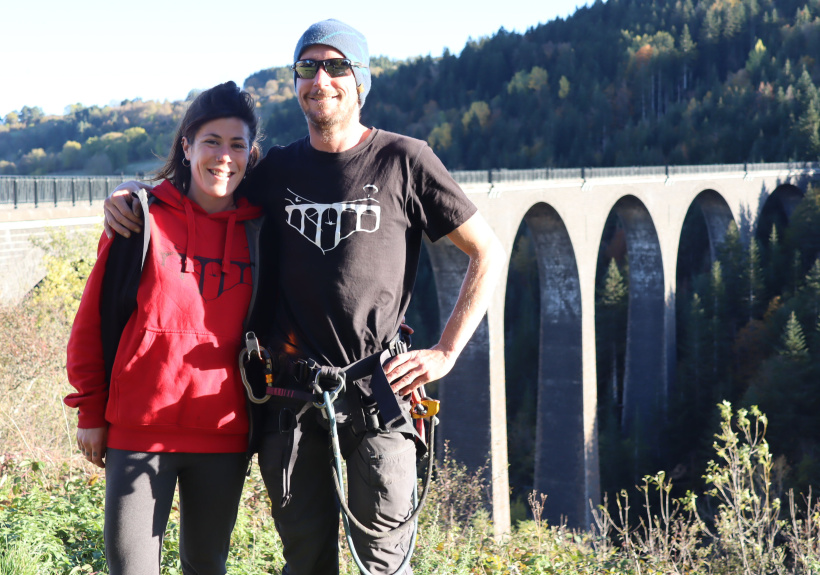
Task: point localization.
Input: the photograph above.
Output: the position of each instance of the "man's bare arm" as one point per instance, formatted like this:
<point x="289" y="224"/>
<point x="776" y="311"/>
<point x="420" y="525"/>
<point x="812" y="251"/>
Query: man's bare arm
<point x="122" y="214"/>
<point x="475" y="238"/>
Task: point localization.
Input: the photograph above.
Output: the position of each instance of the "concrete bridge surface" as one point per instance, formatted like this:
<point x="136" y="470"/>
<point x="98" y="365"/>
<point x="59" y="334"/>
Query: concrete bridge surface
<point x="565" y="211"/>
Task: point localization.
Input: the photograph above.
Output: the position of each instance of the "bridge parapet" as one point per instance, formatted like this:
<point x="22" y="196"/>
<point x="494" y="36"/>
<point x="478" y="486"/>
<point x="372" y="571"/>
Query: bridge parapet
<point x="497" y="176"/>
<point x="39" y="191"/>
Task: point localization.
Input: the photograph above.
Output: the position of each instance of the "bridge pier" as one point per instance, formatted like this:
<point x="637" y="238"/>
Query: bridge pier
<point x="472" y="395"/>
<point x="562" y="461"/>
<point x="645" y="374"/>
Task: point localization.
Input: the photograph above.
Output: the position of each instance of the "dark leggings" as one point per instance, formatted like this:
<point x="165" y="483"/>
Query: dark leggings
<point x="139" y="493"/>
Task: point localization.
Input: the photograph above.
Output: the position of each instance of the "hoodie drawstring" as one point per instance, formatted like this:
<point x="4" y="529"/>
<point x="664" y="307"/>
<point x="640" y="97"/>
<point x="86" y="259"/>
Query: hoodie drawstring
<point x="190" y="249"/>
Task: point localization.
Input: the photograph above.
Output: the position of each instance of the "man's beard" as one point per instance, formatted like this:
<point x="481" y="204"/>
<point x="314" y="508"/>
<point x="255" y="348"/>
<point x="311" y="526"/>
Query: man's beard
<point x="326" y="123"/>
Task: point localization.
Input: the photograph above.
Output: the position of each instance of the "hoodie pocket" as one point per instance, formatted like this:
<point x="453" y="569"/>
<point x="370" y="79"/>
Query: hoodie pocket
<point x="180" y="379"/>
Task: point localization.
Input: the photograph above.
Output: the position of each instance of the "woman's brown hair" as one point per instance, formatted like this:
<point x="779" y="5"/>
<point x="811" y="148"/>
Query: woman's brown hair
<point x="222" y="101"/>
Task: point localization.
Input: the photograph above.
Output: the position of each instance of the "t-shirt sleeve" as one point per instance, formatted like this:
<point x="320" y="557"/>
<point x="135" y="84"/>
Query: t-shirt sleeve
<point x="444" y="205"/>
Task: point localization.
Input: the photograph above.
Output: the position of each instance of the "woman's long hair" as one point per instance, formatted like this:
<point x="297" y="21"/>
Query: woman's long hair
<point x="222" y="101"/>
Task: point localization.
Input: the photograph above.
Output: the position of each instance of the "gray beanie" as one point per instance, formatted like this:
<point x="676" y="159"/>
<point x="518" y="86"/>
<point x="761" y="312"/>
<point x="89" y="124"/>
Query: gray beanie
<point x="347" y="40"/>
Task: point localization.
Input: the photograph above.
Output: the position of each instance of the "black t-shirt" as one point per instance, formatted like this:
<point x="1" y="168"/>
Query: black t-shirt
<point x="348" y="228"/>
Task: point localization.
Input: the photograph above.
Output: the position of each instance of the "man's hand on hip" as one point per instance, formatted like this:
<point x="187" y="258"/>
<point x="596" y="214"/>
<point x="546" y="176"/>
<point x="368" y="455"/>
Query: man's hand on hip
<point x="122" y="214"/>
<point x="407" y="371"/>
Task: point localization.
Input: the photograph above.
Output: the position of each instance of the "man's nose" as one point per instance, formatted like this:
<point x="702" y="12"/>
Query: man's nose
<point x="322" y="77"/>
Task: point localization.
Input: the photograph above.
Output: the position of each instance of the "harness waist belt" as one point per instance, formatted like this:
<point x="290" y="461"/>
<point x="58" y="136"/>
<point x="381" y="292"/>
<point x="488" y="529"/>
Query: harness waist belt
<point x="305" y="371"/>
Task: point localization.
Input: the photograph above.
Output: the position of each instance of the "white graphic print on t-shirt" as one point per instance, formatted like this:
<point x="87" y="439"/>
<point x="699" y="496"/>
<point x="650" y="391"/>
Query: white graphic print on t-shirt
<point x="326" y="225"/>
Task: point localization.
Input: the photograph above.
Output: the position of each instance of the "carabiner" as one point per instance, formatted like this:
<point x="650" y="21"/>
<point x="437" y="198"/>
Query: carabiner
<point x="245" y="355"/>
<point x="338" y="377"/>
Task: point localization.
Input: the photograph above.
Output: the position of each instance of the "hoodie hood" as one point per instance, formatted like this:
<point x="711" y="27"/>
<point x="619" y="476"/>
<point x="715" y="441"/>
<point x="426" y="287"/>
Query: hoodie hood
<point x="169" y="195"/>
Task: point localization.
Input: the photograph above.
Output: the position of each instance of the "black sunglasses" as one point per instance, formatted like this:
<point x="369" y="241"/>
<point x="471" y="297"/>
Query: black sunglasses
<point x="335" y="67"/>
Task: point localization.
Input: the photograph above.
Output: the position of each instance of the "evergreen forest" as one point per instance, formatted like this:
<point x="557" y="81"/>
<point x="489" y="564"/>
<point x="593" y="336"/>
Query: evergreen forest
<point x="618" y="83"/>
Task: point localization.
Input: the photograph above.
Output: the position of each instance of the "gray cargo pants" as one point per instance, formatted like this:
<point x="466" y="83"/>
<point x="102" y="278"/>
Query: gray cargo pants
<point x="381" y="476"/>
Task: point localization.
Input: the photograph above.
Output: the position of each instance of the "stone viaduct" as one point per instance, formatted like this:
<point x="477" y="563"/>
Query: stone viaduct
<point x="566" y="211"/>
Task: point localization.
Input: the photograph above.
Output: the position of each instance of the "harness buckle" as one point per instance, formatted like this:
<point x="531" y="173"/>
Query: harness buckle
<point x="303" y="370"/>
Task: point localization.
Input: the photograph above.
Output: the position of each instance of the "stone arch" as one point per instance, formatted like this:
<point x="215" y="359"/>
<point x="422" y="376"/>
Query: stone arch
<point x="645" y="374"/>
<point x="560" y="454"/>
<point x="777" y="208"/>
<point x="717" y="215"/>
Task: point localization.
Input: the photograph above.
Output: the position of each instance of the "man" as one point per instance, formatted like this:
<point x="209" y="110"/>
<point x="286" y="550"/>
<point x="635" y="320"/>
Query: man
<point x="347" y="207"/>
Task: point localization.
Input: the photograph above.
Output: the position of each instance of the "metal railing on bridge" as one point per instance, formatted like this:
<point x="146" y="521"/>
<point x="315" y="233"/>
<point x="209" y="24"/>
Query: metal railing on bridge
<point x="39" y="191"/>
<point x="503" y="175"/>
<point x="76" y="190"/>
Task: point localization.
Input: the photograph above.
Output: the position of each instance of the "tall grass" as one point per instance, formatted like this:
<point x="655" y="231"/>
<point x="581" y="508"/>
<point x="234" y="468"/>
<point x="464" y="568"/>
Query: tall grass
<point x="51" y="499"/>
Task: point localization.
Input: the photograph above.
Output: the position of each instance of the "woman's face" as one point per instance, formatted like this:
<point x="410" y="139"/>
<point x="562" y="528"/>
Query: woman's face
<point x="219" y="156"/>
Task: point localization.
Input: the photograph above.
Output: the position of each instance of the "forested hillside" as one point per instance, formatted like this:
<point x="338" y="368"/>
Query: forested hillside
<point x="621" y="82"/>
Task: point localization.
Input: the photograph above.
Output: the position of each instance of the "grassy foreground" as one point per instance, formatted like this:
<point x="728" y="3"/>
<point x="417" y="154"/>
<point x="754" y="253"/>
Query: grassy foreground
<point x="51" y="500"/>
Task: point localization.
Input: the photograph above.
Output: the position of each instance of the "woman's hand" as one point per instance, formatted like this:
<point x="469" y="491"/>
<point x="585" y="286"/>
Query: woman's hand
<point x="92" y="442"/>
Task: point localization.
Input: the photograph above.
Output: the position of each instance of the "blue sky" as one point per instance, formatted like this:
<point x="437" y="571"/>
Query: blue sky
<point x="55" y="53"/>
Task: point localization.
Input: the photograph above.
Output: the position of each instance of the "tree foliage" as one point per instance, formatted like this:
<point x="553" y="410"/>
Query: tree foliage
<point x="758" y="342"/>
<point x="659" y="82"/>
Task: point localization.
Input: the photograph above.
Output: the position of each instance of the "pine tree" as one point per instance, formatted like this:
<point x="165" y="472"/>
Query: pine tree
<point x="615" y="290"/>
<point x="721" y="330"/>
<point x="776" y="268"/>
<point x="754" y="281"/>
<point x="808" y="123"/>
<point x="688" y="49"/>
<point x="611" y="314"/>
<point x="812" y="286"/>
<point x="733" y="277"/>
<point x="793" y="340"/>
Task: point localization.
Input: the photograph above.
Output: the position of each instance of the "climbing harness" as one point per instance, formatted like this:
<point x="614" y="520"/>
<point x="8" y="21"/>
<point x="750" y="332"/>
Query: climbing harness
<point x="306" y="373"/>
<point x="329" y="383"/>
<point x="326" y="406"/>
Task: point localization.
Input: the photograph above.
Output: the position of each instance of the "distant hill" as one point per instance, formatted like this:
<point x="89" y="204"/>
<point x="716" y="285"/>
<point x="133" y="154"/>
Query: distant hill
<point x="622" y="82"/>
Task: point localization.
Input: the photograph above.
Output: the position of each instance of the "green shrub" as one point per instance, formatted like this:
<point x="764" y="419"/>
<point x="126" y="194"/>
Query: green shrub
<point x="69" y="257"/>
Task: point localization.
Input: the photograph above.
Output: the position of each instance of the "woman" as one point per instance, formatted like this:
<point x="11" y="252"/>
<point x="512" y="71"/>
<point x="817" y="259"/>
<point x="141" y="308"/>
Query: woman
<point x="165" y="405"/>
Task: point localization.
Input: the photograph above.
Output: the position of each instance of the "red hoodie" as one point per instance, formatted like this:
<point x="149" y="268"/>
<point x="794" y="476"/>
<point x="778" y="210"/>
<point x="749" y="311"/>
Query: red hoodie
<point x="175" y="385"/>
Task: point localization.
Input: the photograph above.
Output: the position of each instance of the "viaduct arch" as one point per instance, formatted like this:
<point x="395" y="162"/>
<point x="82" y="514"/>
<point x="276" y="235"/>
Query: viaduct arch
<point x="566" y="217"/>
